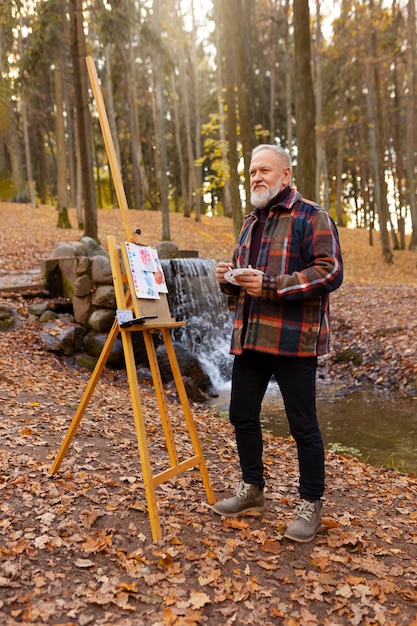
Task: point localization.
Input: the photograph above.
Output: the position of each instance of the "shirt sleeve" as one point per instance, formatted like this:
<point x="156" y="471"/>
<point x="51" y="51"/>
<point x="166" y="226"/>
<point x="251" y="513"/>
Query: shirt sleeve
<point x="322" y="260"/>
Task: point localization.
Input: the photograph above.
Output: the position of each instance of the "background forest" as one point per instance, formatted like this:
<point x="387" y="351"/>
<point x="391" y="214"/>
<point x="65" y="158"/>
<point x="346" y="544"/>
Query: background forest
<point x="191" y="87"/>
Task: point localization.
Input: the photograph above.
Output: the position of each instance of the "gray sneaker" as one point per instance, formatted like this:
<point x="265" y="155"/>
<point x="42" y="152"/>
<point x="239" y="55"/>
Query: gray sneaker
<point x="247" y="499"/>
<point x="308" y="521"/>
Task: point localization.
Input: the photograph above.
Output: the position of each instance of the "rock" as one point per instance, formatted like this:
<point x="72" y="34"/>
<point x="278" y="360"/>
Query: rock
<point x="188" y="364"/>
<point x="7" y="318"/>
<point x="48" y="316"/>
<point x="83" y="285"/>
<point x="81" y="308"/>
<point x="86" y="361"/>
<point x="101" y="271"/>
<point x="194" y="393"/>
<point x="93" y="344"/>
<point x="104" y="297"/>
<point x="68" y="249"/>
<point x="92" y="247"/>
<point x="38" y="308"/>
<point x="101" y="320"/>
<point x="169" y="250"/>
<point x="84" y="265"/>
<point x="62" y="338"/>
<point x="144" y="375"/>
<point x="68" y="269"/>
<point x="166" y="249"/>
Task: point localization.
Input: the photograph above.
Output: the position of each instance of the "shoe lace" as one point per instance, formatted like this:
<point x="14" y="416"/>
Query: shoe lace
<point x="242" y="490"/>
<point x="306" y="510"/>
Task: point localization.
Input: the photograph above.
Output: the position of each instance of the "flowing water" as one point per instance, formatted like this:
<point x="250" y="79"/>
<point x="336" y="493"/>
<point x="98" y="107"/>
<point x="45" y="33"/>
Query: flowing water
<point x="380" y="428"/>
<point x="194" y="296"/>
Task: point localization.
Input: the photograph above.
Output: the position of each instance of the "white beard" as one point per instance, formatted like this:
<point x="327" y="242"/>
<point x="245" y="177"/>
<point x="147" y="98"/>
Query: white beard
<point x="261" y="198"/>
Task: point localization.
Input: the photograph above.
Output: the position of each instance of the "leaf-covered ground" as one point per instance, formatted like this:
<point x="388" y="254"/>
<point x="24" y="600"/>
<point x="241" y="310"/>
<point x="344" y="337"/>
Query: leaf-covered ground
<point x="76" y="548"/>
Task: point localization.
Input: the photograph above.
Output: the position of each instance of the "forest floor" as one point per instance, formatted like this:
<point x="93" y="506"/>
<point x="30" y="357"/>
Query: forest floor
<point x="76" y="548"/>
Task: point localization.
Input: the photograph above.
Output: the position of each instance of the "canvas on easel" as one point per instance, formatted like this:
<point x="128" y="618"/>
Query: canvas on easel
<point x="146" y="309"/>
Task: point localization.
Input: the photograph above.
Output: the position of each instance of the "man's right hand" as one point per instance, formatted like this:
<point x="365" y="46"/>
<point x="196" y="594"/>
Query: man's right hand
<point x="221" y="269"/>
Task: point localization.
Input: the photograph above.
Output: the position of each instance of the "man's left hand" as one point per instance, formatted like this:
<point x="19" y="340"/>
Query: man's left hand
<point x="251" y="282"/>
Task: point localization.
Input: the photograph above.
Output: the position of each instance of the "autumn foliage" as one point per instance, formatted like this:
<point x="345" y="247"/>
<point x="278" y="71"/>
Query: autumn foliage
<point x="76" y="548"/>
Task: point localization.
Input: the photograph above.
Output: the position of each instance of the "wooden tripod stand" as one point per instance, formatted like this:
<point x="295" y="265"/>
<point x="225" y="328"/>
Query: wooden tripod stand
<point x="164" y="323"/>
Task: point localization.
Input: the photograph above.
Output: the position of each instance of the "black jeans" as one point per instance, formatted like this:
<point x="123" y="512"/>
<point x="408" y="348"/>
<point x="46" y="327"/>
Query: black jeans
<point x="296" y="377"/>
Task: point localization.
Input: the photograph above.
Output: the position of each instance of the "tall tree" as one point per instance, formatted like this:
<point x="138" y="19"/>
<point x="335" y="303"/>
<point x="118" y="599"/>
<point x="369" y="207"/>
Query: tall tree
<point x="322" y="183"/>
<point x="289" y="64"/>
<point x="224" y="21"/>
<point x="376" y="143"/>
<point x="304" y="102"/>
<point x="78" y="54"/>
<point x="63" y="220"/>
<point x="238" y="14"/>
<point x="197" y="113"/>
<point x="160" y="134"/>
<point x="411" y="105"/>
<point x="227" y="200"/>
<point x="28" y="155"/>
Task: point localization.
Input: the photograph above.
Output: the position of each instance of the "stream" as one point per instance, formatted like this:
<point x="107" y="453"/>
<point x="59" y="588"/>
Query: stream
<point x="377" y="427"/>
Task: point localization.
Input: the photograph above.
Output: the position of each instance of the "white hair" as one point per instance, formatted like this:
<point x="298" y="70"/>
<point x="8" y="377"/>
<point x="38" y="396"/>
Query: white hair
<point x="281" y="152"/>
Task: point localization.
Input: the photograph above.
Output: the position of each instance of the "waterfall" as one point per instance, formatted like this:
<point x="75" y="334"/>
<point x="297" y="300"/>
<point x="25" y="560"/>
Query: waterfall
<point x="194" y="296"/>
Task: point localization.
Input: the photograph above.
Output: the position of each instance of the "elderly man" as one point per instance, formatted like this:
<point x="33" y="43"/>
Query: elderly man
<point x="285" y="263"/>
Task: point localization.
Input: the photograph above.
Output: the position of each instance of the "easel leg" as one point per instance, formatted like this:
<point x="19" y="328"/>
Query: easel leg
<point x="187" y="413"/>
<point x="141" y="436"/>
<point x="102" y="360"/>
<point x="160" y="395"/>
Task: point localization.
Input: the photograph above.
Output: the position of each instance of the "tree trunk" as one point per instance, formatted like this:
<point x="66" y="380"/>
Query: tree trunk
<point x="239" y="34"/>
<point x="70" y="126"/>
<point x="62" y="205"/>
<point x="411" y="132"/>
<point x="181" y="165"/>
<point x="189" y="199"/>
<point x="398" y="165"/>
<point x="372" y="127"/>
<point x="304" y="102"/>
<point x="79" y="186"/>
<point x="320" y="156"/>
<point x="28" y="156"/>
<point x="16" y="161"/>
<point x="108" y="83"/>
<point x="231" y="125"/>
<point x="288" y="80"/>
<point x="78" y="53"/>
<point x="227" y="201"/>
<point x="339" y="172"/>
<point x="160" y="134"/>
<point x="197" y="114"/>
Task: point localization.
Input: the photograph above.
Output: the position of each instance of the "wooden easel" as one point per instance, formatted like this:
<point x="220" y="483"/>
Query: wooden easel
<point x="126" y="299"/>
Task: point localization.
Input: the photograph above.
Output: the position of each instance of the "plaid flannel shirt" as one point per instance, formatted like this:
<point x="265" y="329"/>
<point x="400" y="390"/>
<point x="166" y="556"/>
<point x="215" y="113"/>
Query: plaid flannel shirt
<point x="301" y="260"/>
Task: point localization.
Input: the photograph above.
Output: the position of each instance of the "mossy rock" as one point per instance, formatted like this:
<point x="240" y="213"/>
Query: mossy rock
<point x="7" y="319"/>
<point x="349" y="356"/>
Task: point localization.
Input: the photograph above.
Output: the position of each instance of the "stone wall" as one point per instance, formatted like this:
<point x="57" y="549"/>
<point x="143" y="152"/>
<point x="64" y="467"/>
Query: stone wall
<point x="81" y="271"/>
